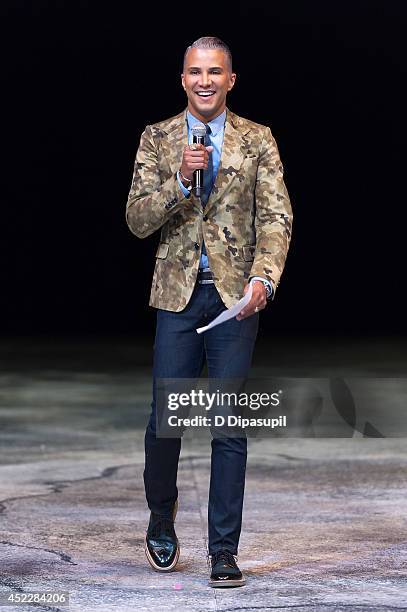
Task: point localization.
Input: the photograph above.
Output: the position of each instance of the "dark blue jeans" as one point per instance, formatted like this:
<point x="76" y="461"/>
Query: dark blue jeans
<point x="179" y="352"/>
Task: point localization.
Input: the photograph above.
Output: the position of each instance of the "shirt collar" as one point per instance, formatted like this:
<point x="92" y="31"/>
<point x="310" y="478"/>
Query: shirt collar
<point x="215" y="124"/>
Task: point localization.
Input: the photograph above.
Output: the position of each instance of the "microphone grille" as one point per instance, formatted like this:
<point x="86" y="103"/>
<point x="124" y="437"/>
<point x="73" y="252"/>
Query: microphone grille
<point x="198" y="130"/>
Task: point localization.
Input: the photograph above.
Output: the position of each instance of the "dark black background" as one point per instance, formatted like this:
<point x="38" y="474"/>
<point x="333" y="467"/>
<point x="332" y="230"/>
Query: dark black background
<point x="82" y="79"/>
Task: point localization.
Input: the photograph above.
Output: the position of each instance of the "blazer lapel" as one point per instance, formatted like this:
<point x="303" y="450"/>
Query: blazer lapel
<point x="232" y="156"/>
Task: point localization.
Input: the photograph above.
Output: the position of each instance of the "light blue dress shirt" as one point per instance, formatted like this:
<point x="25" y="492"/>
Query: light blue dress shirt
<point x="217" y="126"/>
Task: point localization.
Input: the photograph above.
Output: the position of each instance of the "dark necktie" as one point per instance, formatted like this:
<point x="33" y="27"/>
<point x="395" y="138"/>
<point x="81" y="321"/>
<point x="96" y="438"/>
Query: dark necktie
<point x="208" y="174"/>
<point x="208" y="177"/>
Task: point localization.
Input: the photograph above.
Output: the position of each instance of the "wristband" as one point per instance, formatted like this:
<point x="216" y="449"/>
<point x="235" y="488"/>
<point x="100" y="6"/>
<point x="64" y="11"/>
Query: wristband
<point x="184" y="178"/>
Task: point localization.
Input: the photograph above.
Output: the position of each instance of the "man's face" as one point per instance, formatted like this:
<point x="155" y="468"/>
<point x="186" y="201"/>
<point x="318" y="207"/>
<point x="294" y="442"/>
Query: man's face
<point x="207" y="79"/>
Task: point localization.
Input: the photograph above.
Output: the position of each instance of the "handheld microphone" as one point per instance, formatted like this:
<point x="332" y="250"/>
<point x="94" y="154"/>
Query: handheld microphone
<point x="198" y="137"/>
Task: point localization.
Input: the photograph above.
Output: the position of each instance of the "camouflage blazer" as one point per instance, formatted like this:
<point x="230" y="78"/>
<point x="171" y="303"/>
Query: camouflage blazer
<point x="246" y="223"/>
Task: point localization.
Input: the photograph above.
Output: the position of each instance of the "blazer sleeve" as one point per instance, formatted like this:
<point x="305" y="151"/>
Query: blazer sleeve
<point x="151" y="203"/>
<point x="273" y="219"/>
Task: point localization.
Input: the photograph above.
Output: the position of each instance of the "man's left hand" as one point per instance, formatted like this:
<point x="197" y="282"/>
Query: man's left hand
<point x="259" y="300"/>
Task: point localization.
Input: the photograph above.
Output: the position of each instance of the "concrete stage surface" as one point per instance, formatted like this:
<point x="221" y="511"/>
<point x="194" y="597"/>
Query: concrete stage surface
<point x="324" y="524"/>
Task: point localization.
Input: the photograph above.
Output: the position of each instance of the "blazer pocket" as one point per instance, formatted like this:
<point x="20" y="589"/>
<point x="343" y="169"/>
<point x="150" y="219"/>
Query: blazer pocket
<point x="248" y="252"/>
<point x="162" y="250"/>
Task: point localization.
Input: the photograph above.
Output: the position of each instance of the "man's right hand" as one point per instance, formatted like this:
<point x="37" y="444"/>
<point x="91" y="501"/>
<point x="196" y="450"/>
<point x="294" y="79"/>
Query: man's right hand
<point x="194" y="157"/>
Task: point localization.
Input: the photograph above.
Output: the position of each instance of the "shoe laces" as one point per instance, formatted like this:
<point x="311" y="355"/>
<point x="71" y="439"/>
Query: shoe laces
<point x="223" y="556"/>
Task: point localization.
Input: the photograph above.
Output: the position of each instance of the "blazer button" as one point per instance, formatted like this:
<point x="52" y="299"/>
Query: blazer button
<point x="205" y="218"/>
<point x="196" y="246"/>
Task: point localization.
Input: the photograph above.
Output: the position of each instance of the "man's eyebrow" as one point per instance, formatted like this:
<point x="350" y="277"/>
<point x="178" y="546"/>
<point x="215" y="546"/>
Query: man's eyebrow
<point x="211" y="68"/>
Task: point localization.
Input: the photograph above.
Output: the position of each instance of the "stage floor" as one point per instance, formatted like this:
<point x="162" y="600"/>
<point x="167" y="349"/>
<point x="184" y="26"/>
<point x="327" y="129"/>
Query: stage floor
<point x="324" y="525"/>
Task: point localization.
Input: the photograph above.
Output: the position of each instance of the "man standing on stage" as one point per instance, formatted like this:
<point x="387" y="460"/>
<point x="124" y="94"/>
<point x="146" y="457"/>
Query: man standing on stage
<point x="210" y="248"/>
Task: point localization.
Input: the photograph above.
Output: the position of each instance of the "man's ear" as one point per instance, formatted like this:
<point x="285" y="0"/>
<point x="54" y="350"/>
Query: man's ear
<point x="232" y="81"/>
<point x="183" y="80"/>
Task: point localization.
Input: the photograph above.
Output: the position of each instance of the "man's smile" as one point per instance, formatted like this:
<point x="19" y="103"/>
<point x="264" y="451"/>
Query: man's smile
<point x="208" y="93"/>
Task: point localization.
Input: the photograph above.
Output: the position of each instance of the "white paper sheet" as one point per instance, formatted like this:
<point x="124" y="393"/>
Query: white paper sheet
<point x="230" y="312"/>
